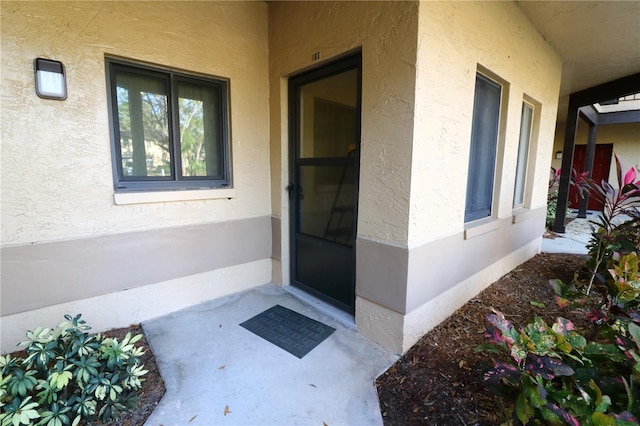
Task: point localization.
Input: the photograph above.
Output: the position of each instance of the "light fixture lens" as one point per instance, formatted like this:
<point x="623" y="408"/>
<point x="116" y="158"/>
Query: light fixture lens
<point x="50" y="79"/>
<point x="50" y="84"/>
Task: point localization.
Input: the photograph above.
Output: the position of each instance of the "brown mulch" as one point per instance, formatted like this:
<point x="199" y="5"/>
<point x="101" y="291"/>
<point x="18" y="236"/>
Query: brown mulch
<point x="439" y="380"/>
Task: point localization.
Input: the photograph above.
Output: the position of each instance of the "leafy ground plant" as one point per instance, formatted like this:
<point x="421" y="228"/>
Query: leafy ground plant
<point x="552" y="197"/>
<point x="70" y="376"/>
<point x="613" y="248"/>
<point x="556" y="377"/>
<point x="617" y="228"/>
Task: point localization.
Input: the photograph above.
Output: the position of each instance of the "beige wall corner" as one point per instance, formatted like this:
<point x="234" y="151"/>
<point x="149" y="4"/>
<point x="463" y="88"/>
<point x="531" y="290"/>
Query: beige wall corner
<point x="380" y="324"/>
<point x="122" y="308"/>
<point x="277" y="272"/>
<point x="398" y="332"/>
<point x="430" y="314"/>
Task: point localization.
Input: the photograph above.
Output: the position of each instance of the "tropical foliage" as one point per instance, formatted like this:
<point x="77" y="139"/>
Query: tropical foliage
<point x="552" y="197"/>
<point x="69" y="376"/>
<point x="553" y="374"/>
<point x="617" y="228"/>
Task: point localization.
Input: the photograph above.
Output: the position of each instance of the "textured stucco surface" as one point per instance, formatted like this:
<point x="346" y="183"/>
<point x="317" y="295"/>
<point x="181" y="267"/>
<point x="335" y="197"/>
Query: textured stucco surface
<point x="386" y="34"/>
<point x="66" y="246"/>
<point x="382" y="325"/>
<point x="419" y="64"/>
<point x="455" y="38"/>
<point x="419" y="59"/>
<point x="56" y="160"/>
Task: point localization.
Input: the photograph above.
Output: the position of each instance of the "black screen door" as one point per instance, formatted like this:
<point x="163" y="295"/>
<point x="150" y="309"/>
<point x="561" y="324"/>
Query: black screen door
<point x="324" y="163"/>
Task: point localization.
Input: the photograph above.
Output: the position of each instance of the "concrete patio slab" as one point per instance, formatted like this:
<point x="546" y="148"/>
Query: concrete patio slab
<point x="218" y="373"/>
<point x="574" y="240"/>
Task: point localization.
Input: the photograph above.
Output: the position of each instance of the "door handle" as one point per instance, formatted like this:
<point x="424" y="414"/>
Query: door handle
<point x="290" y="189"/>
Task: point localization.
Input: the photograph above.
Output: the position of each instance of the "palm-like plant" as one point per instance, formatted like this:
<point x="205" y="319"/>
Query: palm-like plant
<point x="618" y="226"/>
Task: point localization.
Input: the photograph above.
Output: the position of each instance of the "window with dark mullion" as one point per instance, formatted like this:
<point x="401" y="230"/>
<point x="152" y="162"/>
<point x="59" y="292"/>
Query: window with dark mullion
<point x="484" y="142"/>
<point x="526" y="122"/>
<point x="170" y="129"/>
<point x="200" y="119"/>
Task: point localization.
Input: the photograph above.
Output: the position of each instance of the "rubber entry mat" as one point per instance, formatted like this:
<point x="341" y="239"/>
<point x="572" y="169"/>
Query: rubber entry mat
<point x="288" y="330"/>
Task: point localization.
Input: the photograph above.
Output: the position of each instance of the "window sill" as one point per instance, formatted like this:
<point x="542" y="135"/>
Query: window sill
<point x="124" y="198"/>
<point x="521" y="214"/>
<point x="481" y="227"/>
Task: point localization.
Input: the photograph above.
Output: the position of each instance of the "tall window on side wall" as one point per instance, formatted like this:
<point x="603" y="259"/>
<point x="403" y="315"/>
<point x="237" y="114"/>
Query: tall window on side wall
<point x="169" y="129"/>
<point x="526" y="125"/>
<point x="484" y="143"/>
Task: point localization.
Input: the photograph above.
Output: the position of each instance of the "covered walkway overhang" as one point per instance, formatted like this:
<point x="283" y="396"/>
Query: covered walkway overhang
<point x="581" y="106"/>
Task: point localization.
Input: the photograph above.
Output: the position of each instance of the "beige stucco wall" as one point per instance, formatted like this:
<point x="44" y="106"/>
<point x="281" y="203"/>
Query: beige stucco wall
<point x="454" y="39"/>
<point x="457" y="39"/>
<point x="419" y="61"/>
<point x="419" y="64"/>
<point x="69" y="244"/>
<point x="624" y="137"/>
<point x="429" y="178"/>
<point x="56" y="160"/>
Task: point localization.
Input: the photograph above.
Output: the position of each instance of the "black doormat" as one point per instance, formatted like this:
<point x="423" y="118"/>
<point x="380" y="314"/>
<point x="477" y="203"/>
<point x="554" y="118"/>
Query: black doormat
<point x="288" y="330"/>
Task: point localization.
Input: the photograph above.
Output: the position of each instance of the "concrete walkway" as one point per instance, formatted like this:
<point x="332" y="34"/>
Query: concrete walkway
<point x="218" y="373"/>
<point x="574" y="240"/>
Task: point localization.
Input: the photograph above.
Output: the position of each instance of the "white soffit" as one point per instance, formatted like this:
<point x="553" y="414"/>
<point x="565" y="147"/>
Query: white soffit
<point x="598" y="41"/>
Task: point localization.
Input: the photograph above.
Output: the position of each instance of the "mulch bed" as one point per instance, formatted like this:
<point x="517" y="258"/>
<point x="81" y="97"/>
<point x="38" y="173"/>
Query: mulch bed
<point x="439" y="380"/>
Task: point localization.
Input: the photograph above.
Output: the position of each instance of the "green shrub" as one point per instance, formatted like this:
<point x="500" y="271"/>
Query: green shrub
<point x="552" y="206"/>
<point x="69" y="376"/>
<point x="617" y="228"/>
<point x="552" y="197"/>
<point x="554" y="376"/>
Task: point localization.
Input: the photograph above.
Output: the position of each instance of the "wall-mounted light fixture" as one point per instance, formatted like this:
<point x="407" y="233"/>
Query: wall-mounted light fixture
<point x="51" y="79"/>
<point x="558" y="155"/>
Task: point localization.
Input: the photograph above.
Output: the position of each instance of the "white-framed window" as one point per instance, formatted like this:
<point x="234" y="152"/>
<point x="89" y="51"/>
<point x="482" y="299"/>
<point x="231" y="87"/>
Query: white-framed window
<point x="524" y="146"/>
<point x="170" y="129"/>
<point x="484" y="146"/>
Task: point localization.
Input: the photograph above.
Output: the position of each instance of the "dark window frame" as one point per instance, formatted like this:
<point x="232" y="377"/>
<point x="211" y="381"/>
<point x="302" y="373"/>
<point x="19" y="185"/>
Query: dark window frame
<point x="483" y="151"/>
<point x="524" y="155"/>
<point x="172" y="78"/>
